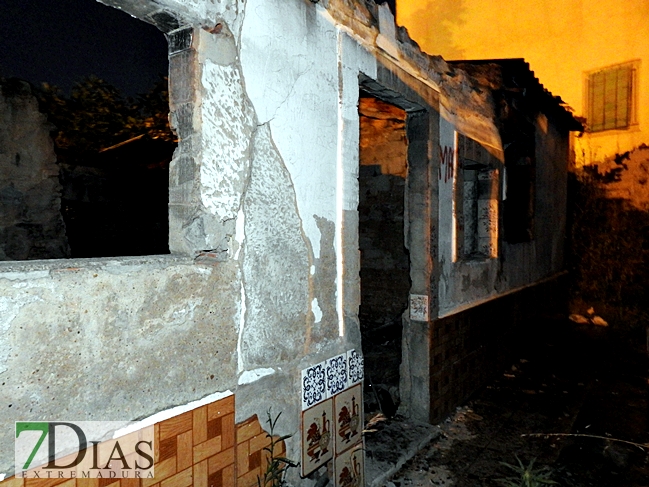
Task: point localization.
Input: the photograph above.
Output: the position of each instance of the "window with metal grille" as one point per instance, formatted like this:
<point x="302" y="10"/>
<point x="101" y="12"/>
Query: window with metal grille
<point x="610" y="97"/>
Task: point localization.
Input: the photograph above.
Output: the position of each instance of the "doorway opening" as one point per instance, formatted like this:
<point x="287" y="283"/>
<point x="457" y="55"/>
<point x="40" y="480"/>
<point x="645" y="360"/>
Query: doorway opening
<point x="385" y="262"/>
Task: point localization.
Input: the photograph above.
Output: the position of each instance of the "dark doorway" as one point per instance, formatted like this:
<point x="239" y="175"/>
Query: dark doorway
<point x="385" y="263"/>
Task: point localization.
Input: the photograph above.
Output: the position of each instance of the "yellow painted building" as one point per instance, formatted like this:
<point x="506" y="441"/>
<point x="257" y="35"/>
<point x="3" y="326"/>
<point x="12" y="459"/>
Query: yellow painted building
<point x="593" y="54"/>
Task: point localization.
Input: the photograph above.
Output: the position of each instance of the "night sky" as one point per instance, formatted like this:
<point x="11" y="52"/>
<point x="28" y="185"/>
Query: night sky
<point x="60" y="41"/>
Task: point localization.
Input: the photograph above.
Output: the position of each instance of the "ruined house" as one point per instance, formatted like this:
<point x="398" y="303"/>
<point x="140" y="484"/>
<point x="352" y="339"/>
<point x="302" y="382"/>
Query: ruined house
<point x="329" y="175"/>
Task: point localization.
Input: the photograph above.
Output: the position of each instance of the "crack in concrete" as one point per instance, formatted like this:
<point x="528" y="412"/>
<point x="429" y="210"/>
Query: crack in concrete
<point x="290" y="92"/>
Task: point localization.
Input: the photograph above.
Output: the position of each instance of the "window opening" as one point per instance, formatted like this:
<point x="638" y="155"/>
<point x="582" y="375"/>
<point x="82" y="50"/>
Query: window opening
<point x="103" y="192"/>
<point x="477" y="192"/>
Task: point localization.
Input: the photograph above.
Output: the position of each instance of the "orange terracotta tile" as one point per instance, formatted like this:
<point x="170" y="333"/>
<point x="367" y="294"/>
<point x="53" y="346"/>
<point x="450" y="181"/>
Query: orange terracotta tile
<point x="88" y="482"/>
<point x="200" y="474"/>
<point x="176" y="425"/>
<point x="167" y="448"/>
<point x="259" y="442"/>
<point x="43" y="482"/>
<point x="265" y="457"/>
<point x="156" y="442"/>
<point x="216" y="479"/>
<point x="12" y="482"/>
<point x="200" y="425"/>
<point x="254" y="460"/>
<point x="213" y="428"/>
<point x="247" y="430"/>
<point x="248" y="480"/>
<point x="228" y="476"/>
<point x="185" y="454"/>
<point x="129" y="441"/>
<point x="207" y="449"/>
<point x="243" y="452"/>
<point x="220" y="408"/>
<point x="220" y="461"/>
<point x="181" y="479"/>
<point x="227" y="431"/>
<point x="161" y="471"/>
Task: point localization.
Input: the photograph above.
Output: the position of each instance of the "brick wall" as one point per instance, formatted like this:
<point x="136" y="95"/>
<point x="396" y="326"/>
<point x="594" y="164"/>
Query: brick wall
<point x="470" y="347"/>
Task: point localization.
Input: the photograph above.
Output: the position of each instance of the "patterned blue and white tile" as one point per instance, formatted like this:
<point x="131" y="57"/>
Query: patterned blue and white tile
<point x="354" y="367"/>
<point x="337" y="378"/>
<point x="313" y="385"/>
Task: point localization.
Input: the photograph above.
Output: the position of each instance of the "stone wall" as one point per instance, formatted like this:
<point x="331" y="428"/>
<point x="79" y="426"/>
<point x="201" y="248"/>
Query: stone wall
<point x="31" y="226"/>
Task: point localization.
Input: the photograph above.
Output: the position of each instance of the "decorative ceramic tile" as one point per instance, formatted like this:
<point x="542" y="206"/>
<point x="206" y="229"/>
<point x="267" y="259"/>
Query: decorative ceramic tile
<point x="349" y="469"/>
<point x="348" y="415"/>
<point x="313" y="385"/>
<point x="251" y="456"/>
<point x="354" y="367"/>
<point x="418" y="307"/>
<point x="336" y="378"/>
<point x="317" y="436"/>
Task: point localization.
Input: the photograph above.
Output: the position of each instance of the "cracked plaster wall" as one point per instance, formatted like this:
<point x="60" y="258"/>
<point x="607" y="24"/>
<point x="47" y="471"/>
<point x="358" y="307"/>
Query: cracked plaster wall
<point x="264" y="98"/>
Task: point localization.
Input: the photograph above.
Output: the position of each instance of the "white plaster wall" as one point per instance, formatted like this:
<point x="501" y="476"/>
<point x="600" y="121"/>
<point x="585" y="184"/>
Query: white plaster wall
<point x="301" y="75"/>
<point x="462" y="283"/>
<point x="289" y="61"/>
<point x="354" y="59"/>
<point x="446" y="220"/>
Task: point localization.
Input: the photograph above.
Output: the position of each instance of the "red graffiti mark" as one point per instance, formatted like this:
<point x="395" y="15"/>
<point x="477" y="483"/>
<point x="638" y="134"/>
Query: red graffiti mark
<point x="446" y="162"/>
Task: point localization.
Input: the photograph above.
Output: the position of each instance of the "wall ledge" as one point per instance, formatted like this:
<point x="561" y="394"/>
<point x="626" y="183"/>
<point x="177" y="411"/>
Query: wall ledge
<point x="23" y="267"/>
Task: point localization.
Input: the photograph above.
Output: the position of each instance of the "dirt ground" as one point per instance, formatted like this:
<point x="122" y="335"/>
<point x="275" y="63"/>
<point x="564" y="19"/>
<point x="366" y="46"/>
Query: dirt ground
<point x="566" y="379"/>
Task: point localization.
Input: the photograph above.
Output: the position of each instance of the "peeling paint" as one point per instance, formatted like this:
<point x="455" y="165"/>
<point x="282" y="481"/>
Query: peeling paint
<point x="274" y="246"/>
<point x="228" y="123"/>
<point x="317" y="312"/>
